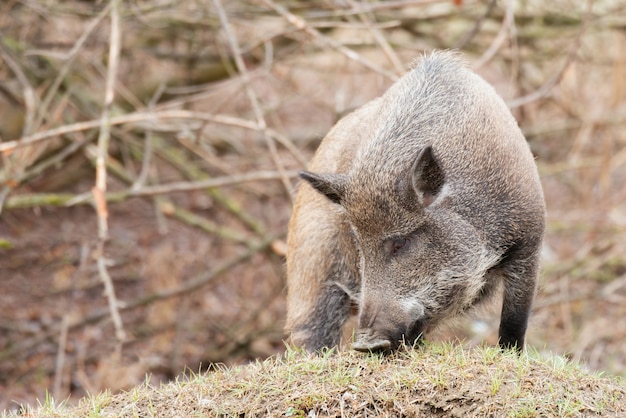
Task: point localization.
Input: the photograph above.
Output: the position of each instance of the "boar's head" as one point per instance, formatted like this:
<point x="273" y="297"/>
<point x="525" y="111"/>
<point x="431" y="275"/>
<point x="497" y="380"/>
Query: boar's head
<point x="420" y="260"/>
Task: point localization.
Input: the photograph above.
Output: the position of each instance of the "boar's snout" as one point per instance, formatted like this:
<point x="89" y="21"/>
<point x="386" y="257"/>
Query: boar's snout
<point x="367" y="341"/>
<point x="387" y="332"/>
<point x="370" y="340"/>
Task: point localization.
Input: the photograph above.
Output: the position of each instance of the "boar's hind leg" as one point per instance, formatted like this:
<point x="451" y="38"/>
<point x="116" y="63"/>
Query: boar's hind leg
<point x="520" y="278"/>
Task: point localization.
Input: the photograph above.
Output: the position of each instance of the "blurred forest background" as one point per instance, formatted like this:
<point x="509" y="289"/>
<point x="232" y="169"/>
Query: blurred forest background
<point x="148" y="159"/>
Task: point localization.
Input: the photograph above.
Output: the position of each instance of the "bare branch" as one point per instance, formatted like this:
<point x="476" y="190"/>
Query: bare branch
<point x="379" y="37"/>
<point x="545" y="89"/>
<point x="507" y="23"/>
<point x="254" y="100"/>
<point x="30" y="98"/>
<point x="60" y="359"/>
<point x="99" y="189"/>
<point x="376" y="7"/>
<point x="315" y="34"/>
<point x="65" y="68"/>
<point x="137" y="117"/>
<point x="147" y="155"/>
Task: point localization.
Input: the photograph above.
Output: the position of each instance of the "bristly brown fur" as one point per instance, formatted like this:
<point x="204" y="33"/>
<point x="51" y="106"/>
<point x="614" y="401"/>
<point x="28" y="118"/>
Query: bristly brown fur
<point x="422" y="201"/>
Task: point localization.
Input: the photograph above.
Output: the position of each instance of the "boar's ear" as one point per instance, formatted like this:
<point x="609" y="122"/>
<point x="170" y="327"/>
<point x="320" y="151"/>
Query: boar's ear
<point x="428" y="176"/>
<point x="333" y="186"/>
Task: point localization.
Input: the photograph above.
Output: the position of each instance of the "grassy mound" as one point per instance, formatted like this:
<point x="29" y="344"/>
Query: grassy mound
<point x="441" y="380"/>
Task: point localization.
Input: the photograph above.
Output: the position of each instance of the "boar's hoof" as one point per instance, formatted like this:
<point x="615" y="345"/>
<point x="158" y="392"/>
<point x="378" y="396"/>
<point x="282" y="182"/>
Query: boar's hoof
<point x="365" y="345"/>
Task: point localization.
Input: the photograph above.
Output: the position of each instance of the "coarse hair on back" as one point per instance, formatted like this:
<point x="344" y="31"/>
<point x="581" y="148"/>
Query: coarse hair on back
<point x="438" y="57"/>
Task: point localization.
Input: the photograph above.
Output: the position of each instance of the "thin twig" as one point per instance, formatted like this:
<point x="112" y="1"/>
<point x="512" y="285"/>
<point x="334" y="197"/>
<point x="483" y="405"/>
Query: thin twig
<point x="3" y="197"/>
<point x="30" y="102"/>
<point x="211" y="183"/>
<point x="65" y="68"/>
<point x="476" y="28"/>
<point x="147" y="154"/>
<point x="288" y="32"/>
<point x="56" y="158"/>
<point x="378" y="37"/>
<point x="60" y="360"/>
<point x="30" y="98"/>
<point x="508" y="21"/>
<point x="168" y="208"/>
<point x="99" y="189"/>
<point x="376" y="7"/>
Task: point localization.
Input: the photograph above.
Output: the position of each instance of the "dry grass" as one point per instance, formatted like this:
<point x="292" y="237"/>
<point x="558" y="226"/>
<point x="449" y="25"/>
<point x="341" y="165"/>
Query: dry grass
<point x="441" y="380"/>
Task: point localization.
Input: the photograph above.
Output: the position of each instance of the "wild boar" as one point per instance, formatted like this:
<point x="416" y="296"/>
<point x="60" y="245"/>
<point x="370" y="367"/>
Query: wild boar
<point x="415" y="208"/>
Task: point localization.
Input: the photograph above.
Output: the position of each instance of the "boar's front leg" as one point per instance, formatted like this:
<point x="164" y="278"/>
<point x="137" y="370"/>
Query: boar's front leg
<point x="322" y="275"/>
<point x="520" y="271"/>
<point x="326" y="315"/>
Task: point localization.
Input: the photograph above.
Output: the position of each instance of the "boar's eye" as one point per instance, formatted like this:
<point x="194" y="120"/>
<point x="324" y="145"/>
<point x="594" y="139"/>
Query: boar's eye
<point x="394" y="245"/>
